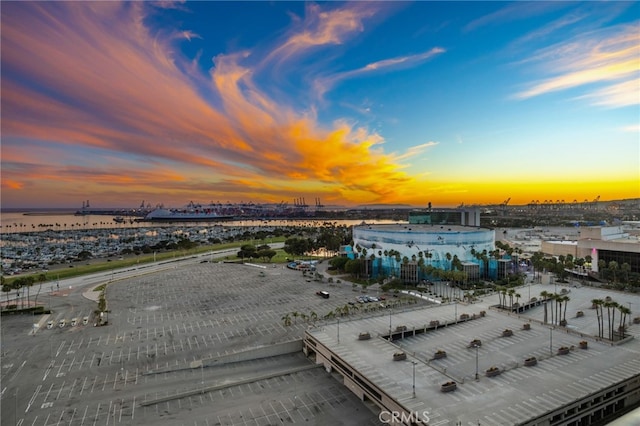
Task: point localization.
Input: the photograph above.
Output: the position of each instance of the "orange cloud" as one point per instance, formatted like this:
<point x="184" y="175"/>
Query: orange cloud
<point x="117" y="90"/>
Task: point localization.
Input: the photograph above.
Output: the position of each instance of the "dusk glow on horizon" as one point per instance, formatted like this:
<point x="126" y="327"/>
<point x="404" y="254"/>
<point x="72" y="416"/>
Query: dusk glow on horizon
<point x="352" y="103"/>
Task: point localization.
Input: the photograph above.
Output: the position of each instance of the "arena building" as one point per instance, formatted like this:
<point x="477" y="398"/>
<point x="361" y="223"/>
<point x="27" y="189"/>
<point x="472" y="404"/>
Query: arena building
<point x="432" y="237"/>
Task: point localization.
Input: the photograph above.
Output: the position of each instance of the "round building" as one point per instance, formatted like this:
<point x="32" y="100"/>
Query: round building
<point x="404" y="250"/>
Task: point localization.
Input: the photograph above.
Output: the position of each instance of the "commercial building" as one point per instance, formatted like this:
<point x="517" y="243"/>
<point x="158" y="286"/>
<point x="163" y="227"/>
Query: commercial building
<point x="607" y="243"/>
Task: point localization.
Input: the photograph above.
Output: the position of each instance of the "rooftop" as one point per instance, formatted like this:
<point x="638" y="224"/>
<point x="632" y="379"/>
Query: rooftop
<point x="519" y="393"/>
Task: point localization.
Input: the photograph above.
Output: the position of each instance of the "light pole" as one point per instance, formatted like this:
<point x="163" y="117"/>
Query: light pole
<point x="414" y="378"/>
<point x="476" y="346"/>
<point x="389" y="324"/>
<point x="550" y="340"/>
<point x="455" y="304"/>
<point x="15" y="413"/>
<point x="338" y="330"/>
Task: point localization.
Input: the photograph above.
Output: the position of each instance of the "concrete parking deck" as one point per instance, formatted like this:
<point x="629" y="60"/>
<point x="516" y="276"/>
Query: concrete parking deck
<point x="519" y="395"/>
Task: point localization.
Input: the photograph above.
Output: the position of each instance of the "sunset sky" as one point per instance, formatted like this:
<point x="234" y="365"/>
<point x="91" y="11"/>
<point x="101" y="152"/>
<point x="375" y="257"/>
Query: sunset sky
<point x="353" y="103"/>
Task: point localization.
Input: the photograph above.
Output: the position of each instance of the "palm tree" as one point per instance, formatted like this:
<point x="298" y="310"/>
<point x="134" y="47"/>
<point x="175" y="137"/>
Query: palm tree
<point x="544" y="294"/>
<point x="313" y="317"/>
<point x="602" y="264"/>
<point x="626" y="268"/>
<point x="613" y="267"/>
<point x="596" y="303"/>
<point x="614" y="306"/>
<point x="565" y="299"/>
<point x="609" y="304"/>
<point x="286" y="320"/>
<point x="511" y="292"/>
<point x="295" y="315"/>
<point x="624" y="311"/>
<point x="345" y="309"/>
<point x="6" y="288"/>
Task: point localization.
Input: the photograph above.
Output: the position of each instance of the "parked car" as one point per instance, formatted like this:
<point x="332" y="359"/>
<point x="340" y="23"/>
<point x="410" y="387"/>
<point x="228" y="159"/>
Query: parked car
<point x="323" y="294"/>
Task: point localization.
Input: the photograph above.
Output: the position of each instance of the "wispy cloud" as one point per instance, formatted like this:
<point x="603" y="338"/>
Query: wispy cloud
<point x="324" y="84"/>
<point x="609" y="58"/>
<point x="514" y="11"/>
<point x="110" y="86"/>
<point x="415" y="151"/>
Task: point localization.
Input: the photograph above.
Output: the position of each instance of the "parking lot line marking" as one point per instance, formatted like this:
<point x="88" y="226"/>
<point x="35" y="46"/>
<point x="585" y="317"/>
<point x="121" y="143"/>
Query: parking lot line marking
<point x="60" y="368"/>
<point x="120" y="416"/>
<point x="109" y="412"/>
<point x="72" y="387"/>
<point x="60" y="418"/>
<point x="84" y="416"/>
<point x="71" y="365"/>
<point x="60" y="391"/>
<point x="33" y="398"/>
<point x="133" y="406"/>
<point x="48" y="392"/>
<point x="95" y="419"/>
<point x="83" y="383"/>
<point x="18" y="371"/>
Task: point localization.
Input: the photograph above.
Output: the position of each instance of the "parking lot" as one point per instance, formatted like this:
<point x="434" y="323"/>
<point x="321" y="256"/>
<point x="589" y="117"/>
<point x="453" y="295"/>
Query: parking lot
<point x="159" y="325"/>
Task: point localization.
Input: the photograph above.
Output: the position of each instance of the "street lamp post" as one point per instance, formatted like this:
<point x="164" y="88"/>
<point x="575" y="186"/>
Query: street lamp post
<point x="550" y="340"/>
<point x="338" y="330"/>
<point x="476" y="346"/>
<point x="414" y="378"/>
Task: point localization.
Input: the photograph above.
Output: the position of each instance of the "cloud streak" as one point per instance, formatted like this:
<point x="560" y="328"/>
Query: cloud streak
<point x="325" y="84"/>
<point x="608" y="58"/>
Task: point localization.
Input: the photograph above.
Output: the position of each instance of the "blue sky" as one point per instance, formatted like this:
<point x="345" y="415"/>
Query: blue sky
<point x="353" y="103"/>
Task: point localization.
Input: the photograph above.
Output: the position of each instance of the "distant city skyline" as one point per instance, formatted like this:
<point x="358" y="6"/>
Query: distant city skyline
<point x="352" y="103"/>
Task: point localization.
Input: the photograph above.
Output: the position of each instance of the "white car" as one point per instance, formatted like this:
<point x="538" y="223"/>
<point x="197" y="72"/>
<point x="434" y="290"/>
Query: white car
<point x="85" y="320"/>
<point x="62" y="323"/>
<point x="49" y="325"/>
<point x="74" y="322"/>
